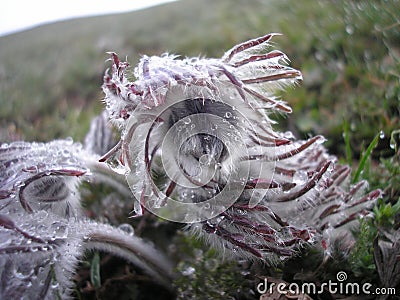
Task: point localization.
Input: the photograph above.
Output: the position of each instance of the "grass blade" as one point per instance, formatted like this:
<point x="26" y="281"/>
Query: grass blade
<point x="364" y="158"/>
<point x="346" y="136"/>
<point x="95" y="271"/>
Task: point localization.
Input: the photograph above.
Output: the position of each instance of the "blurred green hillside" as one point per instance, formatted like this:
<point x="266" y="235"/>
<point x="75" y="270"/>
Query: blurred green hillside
<point x="50" y="76"/>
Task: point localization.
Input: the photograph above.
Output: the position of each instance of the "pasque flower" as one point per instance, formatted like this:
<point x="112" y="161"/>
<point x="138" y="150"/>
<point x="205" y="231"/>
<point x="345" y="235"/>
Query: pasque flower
<point x="43" y="232"/>
<point x="198" y="147"/>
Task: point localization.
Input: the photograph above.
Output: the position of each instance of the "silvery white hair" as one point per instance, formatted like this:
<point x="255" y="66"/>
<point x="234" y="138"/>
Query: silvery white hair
<point x="198" y="147"/>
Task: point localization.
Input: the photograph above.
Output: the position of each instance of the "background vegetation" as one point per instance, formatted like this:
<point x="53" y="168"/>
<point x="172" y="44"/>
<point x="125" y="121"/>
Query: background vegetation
<point x="349" y="53"/>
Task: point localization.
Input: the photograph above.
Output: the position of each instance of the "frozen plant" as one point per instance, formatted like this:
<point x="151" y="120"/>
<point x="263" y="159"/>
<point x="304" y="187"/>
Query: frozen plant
<point x="43" y="232"/>
<point x="198" y="147"/>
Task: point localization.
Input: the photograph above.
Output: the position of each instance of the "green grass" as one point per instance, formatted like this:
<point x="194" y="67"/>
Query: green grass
<point x="365" y="156"/>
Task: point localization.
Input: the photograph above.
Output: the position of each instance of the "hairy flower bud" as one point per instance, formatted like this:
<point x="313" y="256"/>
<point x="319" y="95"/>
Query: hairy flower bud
<point x="198" y="147"/>
<point x="43" y="232"/>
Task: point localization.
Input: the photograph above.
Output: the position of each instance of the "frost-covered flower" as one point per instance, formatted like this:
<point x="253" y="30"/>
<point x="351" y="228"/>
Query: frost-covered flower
<point x="42" y="176"/>
<point x="43" y="232"/>
<point x="198" y="147"/>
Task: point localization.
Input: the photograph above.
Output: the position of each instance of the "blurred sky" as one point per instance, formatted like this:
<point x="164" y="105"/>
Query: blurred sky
<point x="16" y="15"/>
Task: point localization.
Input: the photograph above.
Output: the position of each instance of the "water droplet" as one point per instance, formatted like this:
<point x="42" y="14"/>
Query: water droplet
<point x="349" y="29"/>
<point x="382" y="134"/>
<point x="241" y="212"/>
<point x="127" y="228"/>
<point x="392" y="144"/>
<point x="393" y="140"/>
<point x="228" y="114"/>
<point x="23" y="272"/>
<point x="188" y="271"/>
<point x="65" y="153"/>
<point x="54" y="285"/>
<point x="60" y="230"/>
<point x="288" y="135"/>
<point x="321" y="140"/>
